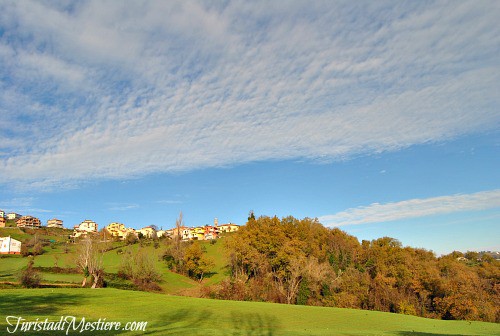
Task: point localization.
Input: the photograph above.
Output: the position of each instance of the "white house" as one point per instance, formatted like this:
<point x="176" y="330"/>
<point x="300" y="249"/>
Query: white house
<point x="84" y="227"/>
<point x="147" y="231"/>
<point x="13" y="215"/>
<point x="87" y="225"/>
<point x="9" y="245"/>
<point x="161" y="233"/>
<point x="2" y="214"/>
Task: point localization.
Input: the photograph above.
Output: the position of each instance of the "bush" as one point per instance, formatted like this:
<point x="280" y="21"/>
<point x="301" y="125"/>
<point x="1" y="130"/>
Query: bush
<point x="29" y="277"/>
<point x="38" y="249"/>
<point x="140" y="267"/>
<point x="131" y="239"/>
<point x="25" y="251"/>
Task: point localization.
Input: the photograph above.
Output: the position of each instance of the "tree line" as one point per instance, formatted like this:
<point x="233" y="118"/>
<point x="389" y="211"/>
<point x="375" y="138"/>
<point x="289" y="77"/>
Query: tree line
<point x="302" y="262"/>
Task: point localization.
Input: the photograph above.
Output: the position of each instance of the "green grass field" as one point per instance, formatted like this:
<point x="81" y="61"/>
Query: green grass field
<point x="172" y="283"/>
<point x="174" y="315"/>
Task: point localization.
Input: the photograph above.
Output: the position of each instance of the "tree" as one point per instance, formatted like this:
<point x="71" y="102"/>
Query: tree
<point x="37" y="249"/>
<point x="175" y="251"/>
<point x="197" y="264"/>
<point x="300" y="261"/>
<point x="89" y="260"/>
<point x="251" y="215"/>
<point x="131" y="239"/>
<point x="140" y="267"/>
<point x="30" y="278"/>
<point x="472" y="255"/>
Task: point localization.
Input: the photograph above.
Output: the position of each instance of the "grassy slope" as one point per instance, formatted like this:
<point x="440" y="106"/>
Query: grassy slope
<point x="15" y="233"/>
<point x="172" y="283"/>
<point x="216" y="252"/>
<point x="172" y="315"/>
<point x="11" y="265"/>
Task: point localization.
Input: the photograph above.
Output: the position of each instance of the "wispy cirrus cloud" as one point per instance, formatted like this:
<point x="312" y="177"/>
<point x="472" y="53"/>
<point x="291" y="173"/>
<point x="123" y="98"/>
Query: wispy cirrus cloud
<point x="168" y="202"/>
<point x="122" y="207"/>
<point x="23" y="206"/>
<point x="379" y="213"/>
<point x="130" y="89"/>
<point x="17" y="202"/>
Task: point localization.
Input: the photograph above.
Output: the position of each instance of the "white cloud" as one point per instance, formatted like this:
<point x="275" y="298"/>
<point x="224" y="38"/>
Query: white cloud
<point x="122" y="207"/>
<point x="17" y="202"/>
<point x="168" y="202"/>
<point x="111" y="90"/>
<point x="378" y="213"/>
<point x="22" y="205"/>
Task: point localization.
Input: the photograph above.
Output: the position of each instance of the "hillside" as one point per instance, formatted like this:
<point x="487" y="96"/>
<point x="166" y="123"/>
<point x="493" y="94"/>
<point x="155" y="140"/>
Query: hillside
<point x="58" y="253"/>
<point x="172" y="315"/>
<point x="286" y="261"/>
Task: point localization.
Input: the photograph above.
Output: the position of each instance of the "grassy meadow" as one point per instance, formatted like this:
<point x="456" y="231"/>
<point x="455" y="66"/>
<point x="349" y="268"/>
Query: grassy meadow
<point x="175" y="315"/>
<point x="58" y="254"/>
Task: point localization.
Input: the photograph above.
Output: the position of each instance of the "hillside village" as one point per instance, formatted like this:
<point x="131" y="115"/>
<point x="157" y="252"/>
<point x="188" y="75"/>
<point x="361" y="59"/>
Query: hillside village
<point x="113" y="230"/>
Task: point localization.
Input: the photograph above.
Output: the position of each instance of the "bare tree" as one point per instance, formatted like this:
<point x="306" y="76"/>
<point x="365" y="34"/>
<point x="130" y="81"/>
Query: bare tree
<point x="174" y="253"/>
<point x="89" y="260"/>
<point x="288" y="285"/>
<point x="178" y="254"/>
<point x="178" y="228"/>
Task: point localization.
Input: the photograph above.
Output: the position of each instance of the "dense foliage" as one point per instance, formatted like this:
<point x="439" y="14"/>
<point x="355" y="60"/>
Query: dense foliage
<point x="302" y="262"/>
<point x="188" y="258"/>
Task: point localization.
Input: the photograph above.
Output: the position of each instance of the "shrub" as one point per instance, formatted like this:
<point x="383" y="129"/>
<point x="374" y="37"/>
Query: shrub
<point x="140" y="267"/>
<point x="29" y="277"/>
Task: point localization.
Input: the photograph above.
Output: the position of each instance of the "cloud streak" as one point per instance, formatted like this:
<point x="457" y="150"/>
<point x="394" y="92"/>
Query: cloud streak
<point x="122" y="207"/>
<point x="414" y="208"/>
<point x="107" y="90"/>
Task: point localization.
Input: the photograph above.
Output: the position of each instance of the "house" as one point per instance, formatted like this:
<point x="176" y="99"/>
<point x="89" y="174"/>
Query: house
<point x="206" y="232"/>
<point x="210" y="232"/>
<point x="119" y="230"/>
<point x="13" y="216"/>
<point x="54" y="222"/>
<point x="2" y="222"/>
<point x="230" y="227"/>
<point x="28" y="222"/>
<point x="175" y="232"/>
<point x="198" y="233"/>
<point x="186" y="233"/>
<point x="2" y="214"/>
<point x="148" y="231"/>
<point x="87" y="226"/>
<point x="9" y="245"/>
<point x="161" y="233"/>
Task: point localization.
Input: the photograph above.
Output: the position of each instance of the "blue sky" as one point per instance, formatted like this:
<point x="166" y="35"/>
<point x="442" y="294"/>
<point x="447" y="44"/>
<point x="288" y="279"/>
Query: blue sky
<point x="381" y="118"/>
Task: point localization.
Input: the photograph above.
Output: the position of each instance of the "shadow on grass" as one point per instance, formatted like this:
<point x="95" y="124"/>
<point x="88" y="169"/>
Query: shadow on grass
<point x="209" y="275"/>
<point x="29" y="307"/>
<point x="187" y="322"/>
<point x="416" y="333"/>
<point x="254" y="324"/>
<point x="42" y="305"/>
<point x="181" y="322"/>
